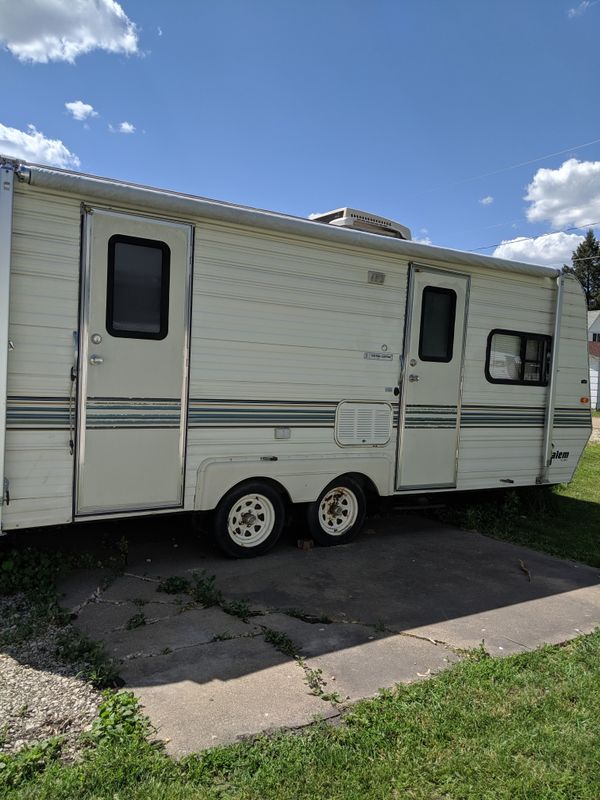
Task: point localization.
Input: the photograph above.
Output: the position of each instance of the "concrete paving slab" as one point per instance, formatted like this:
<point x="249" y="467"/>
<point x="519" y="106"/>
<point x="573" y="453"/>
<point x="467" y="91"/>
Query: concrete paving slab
<point x="130" y="587"/>
<point x="356" y="661"/>
<point x="190" y="628"/>
<point x="76" y="588"/>
<point x="411" y="576"/>
<point x="222" y="692"/>
<point x="101" y="618"/>
<point x="524" y="626"/>
<point x="421" y="578"/>
<point x="362" y="671"/>
<point x="316" y="638"/>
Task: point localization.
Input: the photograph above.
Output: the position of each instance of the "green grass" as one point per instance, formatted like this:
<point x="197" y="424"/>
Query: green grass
<point x="525" y="726"/>
<point x="562" y="520"/>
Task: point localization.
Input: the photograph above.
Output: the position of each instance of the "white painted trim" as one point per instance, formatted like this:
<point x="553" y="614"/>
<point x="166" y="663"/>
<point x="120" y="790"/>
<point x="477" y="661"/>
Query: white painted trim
<point x="6" y="211"/>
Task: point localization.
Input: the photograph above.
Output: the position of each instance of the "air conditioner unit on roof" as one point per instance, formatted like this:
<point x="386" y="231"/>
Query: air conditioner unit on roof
<point x="363" y="221"/>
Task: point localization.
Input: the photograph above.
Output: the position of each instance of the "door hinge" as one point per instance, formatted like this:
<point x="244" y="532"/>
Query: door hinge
<point x="6" y="492"/>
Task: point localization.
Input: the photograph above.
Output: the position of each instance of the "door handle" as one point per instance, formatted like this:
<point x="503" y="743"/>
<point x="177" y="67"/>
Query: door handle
<point x="96" y="360"/>
<point x="413" y="378"/>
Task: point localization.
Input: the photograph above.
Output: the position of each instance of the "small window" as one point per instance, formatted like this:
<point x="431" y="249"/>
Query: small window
<point x="521" y="358"/>
<point x="438" y="311"/>
<point x="595" y="337"/>
<point x="137" y="302"/>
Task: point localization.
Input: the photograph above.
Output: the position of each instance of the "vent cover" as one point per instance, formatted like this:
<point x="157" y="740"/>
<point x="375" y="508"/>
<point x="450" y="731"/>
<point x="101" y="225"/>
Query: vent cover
<point x="363" y="221"/>
<point x="363" y="423"/>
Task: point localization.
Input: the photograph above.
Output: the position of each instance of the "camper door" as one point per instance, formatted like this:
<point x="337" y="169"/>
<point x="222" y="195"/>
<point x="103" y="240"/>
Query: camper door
<point x="133" y="359"/>
<point x="432" y="379"/>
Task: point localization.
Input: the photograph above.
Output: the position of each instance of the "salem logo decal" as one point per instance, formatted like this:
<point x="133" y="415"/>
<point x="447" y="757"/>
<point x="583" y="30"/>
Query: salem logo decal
<point x="560" y="455"/>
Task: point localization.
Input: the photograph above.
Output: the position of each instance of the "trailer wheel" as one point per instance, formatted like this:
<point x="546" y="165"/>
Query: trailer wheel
<point x="338" y="513"/>
<point x="249" y="520"/>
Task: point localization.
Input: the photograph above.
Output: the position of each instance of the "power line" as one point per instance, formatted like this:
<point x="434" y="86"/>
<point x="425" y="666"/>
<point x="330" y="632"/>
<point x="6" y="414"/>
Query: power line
<point x="507" y="168"/>
<point x="532" y="238"/>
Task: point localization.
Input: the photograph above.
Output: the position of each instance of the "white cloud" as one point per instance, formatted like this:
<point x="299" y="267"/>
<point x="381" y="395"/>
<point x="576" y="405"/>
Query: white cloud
<point x="61" y="30"/>
<point x="577" y="11"/>
<point x="159" y="31"/>
<point x="80" y="110"/>
<point x="569" y="195"/>
<point x="487" y="201"/>
<point x="552" y="250"/>
<point x="424" y="240"/>
<point x="122" y="127"/>
<point x="32" y="145"/>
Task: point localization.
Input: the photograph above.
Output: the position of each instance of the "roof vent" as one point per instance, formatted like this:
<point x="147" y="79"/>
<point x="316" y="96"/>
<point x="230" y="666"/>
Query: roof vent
<point x="363" y="221"/>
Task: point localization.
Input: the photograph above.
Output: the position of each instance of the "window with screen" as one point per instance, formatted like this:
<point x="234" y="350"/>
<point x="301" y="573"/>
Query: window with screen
<point x="137" y="304"/>
<point x="438" y="312"/>
<point x="520" y="358"/>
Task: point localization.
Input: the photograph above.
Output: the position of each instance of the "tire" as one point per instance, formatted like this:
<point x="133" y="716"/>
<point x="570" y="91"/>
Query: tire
<point x="337" y="515"/>
<point x="249" y="520"/>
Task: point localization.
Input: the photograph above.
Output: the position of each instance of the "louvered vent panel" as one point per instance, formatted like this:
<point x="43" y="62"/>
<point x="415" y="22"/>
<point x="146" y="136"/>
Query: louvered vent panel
<point x="363" y="423"/>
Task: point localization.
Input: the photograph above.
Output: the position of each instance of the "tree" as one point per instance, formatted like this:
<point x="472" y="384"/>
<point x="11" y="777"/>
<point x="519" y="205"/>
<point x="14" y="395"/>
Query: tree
<point x="586" y="268"/>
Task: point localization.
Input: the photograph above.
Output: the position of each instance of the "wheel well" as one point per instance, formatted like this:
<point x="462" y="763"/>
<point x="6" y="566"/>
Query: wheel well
<point x="261" y="479"/>
<point x="368" y="486"/>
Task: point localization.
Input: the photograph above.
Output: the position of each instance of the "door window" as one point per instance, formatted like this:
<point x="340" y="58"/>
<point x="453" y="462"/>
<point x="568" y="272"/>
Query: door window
<point x="438" y="312"/>
<point x="137" y="302"/>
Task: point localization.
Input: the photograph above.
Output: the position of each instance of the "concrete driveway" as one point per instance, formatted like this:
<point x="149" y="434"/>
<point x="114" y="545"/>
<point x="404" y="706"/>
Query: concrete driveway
<point x="330" y="625"/>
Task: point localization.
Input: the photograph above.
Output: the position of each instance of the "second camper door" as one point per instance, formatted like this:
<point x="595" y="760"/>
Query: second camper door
<point x="432" y="379"/>
<point x="133" y="364"/>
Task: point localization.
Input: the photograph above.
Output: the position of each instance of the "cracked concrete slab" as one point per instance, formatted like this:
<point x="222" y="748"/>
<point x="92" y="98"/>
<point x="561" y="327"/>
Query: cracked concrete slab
<point x="401" y="599"/>
<point x="356" y="661"/>
<point x="99" y="619"/>
<point x="130" y="587"/>
<point x="523" y="626"/>
<point x="79" y="586"/>
<point x="210" y="695"/>
<point x="188" y="629"/>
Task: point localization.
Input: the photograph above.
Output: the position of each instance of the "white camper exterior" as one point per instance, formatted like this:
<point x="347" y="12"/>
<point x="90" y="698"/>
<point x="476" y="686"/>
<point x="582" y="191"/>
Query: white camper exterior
<point x="164" y="352"/>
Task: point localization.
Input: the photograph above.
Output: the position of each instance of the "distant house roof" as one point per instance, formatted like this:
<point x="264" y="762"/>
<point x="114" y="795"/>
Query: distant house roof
<point x="594" y="349"/>
<point x="592" y="317"/>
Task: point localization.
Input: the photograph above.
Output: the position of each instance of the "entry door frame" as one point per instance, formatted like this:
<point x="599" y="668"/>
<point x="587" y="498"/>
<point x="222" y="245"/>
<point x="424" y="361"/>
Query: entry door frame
<point x="82" y="365"/>
<point x="408" y="319"/>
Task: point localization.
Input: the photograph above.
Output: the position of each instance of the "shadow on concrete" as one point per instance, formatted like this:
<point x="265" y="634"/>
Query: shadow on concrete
<point x="398" y="604"/>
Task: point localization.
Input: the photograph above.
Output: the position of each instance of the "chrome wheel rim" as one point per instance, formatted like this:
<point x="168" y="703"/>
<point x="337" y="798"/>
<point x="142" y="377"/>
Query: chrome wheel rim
<point x="338" y="511"/>
<point x="251" y="520"/>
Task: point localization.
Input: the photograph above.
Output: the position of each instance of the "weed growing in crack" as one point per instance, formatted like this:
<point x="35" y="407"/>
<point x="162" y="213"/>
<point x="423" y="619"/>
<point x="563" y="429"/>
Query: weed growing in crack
<point x="281" y="641"/>
<point x="312" y="619"/>
<point x="240" y="609"/>
<point x="317" y="683"/>
<point x="174" y="585"/>
<point x="223" y="637"/>
<point x="139" y="602"/>
<point x="136" y="621"/>
<point x="379" y="626"/>
<point x="204" y="591"/>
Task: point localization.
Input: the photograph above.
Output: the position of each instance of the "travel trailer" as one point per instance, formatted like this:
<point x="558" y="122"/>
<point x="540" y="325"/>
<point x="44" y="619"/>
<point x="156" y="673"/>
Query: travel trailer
<point x="163" y="352"/>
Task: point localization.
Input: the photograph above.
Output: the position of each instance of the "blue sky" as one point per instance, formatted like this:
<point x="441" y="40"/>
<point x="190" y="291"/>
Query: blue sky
<point x="400" y="108"/>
